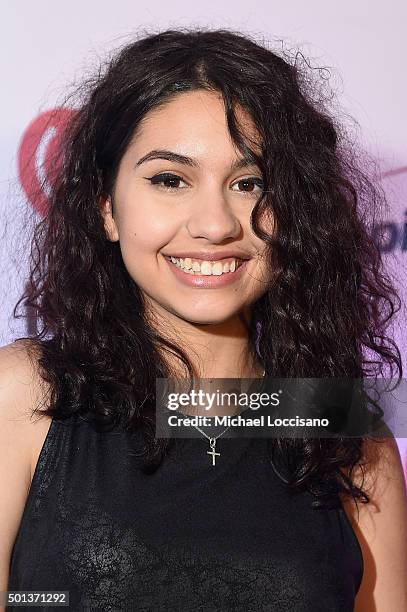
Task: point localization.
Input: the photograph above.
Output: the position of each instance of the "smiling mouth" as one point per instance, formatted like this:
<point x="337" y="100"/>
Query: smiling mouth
<point x="206" y="268"/>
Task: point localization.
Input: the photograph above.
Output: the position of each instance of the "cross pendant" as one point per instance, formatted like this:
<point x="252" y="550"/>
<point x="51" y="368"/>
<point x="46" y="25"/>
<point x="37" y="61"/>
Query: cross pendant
<point x="212" y="452"/>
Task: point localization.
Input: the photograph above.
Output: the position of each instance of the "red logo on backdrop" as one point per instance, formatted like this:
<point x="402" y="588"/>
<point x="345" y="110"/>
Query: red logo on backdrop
<point x="36" y="155"/>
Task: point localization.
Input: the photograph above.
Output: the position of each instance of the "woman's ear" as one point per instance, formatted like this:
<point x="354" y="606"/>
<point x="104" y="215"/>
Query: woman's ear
<point x="112" y="232"/>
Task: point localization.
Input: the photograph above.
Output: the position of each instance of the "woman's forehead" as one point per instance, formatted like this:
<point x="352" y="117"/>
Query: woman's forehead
<point x="194" y="122"/>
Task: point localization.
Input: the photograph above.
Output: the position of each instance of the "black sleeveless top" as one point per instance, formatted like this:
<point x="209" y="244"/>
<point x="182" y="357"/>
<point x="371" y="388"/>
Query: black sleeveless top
<point x="191" y="536"/>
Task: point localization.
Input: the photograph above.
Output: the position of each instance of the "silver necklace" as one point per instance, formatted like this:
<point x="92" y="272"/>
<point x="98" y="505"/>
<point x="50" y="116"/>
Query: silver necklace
<point x="212" y="441"/>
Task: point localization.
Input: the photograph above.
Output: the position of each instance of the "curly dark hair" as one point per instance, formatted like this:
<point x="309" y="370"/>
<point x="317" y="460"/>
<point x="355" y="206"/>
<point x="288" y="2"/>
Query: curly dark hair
<point x="330" y="301"/>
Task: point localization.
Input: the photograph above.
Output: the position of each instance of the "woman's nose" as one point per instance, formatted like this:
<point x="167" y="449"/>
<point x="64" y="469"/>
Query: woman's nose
<point x="212" y="217"/>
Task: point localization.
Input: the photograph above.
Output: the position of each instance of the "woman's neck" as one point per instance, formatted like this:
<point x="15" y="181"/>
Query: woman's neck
<point x="216" y="350"/>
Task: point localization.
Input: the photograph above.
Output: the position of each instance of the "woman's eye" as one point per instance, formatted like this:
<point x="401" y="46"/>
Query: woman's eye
<point x="167" y="181"/>
<point x="171" y="182"/>
<point x="248" y="184"/>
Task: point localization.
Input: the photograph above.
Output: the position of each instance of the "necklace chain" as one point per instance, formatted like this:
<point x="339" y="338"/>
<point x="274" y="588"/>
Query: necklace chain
<point x="212" y="441"/>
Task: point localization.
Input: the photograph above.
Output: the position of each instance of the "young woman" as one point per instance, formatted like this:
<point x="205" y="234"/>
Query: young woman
<point x="208" y="219"/>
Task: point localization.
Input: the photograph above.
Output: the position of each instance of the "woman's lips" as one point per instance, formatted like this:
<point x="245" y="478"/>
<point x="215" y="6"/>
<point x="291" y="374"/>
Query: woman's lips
<point x="207" y="281"/>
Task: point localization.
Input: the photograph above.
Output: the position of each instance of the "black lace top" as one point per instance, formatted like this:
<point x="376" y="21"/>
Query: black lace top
<point x="191" y="536"/>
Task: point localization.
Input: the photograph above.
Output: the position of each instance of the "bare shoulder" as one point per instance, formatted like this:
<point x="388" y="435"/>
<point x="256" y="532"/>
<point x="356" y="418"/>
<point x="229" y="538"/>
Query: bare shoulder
<point x="21" y="391"/>
<point x="21" y="437"/>
<point x="381" y="527"/>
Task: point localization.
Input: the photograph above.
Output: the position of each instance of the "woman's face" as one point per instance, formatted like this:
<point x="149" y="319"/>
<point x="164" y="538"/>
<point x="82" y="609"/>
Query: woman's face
<point x="180" y="194"/>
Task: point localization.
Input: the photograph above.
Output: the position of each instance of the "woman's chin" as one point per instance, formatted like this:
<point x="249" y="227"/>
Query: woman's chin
<point x="202" y="317"/>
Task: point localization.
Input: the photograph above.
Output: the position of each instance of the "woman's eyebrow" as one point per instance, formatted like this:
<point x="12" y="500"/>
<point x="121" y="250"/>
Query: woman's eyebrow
<point x="240" y="163"/>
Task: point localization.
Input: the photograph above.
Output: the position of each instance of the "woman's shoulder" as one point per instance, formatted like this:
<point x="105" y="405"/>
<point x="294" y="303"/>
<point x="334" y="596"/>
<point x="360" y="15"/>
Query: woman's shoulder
<point x="22" y="390"/>
<point x="21" y="387"/>
<point x="381" y="526"/>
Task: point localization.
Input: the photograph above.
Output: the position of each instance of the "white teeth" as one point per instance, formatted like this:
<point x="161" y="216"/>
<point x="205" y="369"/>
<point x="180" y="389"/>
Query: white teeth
<point x="206" y="268"/>
<point x="217" y="269"/>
